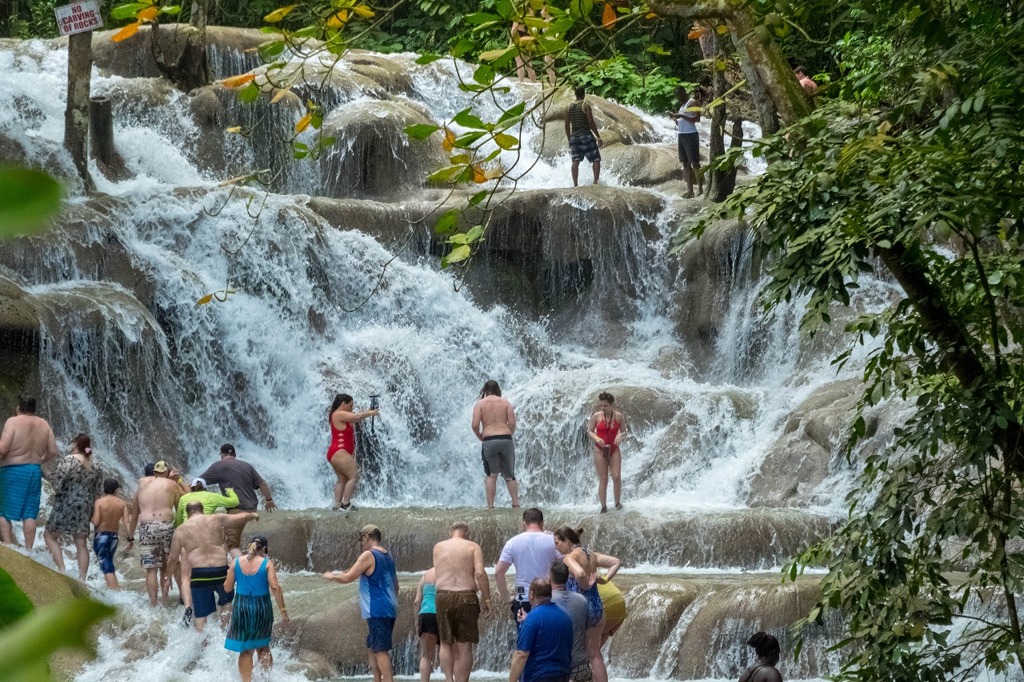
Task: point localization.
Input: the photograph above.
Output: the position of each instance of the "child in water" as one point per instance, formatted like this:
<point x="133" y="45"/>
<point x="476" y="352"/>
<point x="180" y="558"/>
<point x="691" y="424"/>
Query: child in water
<point x="108" y="513"/>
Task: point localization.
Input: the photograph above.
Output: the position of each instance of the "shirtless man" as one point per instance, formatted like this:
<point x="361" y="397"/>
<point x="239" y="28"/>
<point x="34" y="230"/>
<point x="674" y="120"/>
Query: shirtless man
<point x="199" y="545"/>
<point x="109" y="513"/>
<point x="494" y="422"/>
<point x="26" y="443"/>
<point x="153" y="508"/>
<point x="459" y="571"/>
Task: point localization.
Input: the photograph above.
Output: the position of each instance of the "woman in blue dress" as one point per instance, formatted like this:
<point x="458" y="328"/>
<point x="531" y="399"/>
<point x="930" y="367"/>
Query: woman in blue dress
<point x="253" y="578"/>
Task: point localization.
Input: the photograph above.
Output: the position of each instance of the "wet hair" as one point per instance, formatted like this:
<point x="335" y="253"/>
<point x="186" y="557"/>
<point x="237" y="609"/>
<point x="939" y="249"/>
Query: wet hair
<point x="110" y="486"/>
<point x="559" y="573"/>
<point x="373" y="535"/>
<point x="580" y="91"/>
<point x="606" y="397"/>
<point x="569" y="534"/>
<point x="491" y="387"/>
<point x="801" y="70"/>
<point x="148" y="469"/>
<point x="339" y="400"/>
<point x="194" y="507"/>
<point x="540" y="589"/>
<point x="533" y="516"/>
<point x="766" y="646"/>
<point x="227" y="449"/>
<point x="83" y="443"/>
<point x="461" y="525"/>
<point x="257" y="543"/>
<point x="27" y="404"/>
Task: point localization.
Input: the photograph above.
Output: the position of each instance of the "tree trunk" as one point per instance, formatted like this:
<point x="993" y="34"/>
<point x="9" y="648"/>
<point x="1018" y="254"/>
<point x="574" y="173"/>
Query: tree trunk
<point x="189" y="68"/>
<point x="767" y="115"/>
<point x="756" y="47"/>
<point x="101" y="139"/>
<point x="76" y="114"/>
<point x="716" y="143"/>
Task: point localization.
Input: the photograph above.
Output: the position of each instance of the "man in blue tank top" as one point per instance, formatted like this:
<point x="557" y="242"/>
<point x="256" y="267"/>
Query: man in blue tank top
<point x="378" y="598"/>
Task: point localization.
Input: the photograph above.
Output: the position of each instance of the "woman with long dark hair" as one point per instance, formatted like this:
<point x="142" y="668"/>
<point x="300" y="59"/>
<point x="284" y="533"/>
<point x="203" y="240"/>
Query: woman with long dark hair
<point x="76" y="485"/>
<point x="341" y="454"/>
<point x="767" y="649"/>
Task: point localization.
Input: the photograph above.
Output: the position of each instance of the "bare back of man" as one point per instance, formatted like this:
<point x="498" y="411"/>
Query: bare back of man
<point x="459" y="571"/>
<point x="25" y="444"/>
<point x="494" y="416"/>
<point x="156" y="499"/>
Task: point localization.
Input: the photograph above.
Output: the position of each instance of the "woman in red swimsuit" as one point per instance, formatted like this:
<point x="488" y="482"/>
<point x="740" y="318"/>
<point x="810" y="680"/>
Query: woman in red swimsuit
<point x="341" y="454"/>
<point x="607" y="428"/>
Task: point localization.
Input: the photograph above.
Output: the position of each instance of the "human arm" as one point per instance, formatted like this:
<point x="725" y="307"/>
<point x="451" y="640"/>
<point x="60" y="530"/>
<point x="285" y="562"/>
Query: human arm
<point x="364" y="563"/>
<point x="268" y="497"/>
<point x="481" y="579"/>
<point x="51" y="448"/>
<point x="176" y="476"/>
<point x="133" y="516"/>
<point x="510" y="417"/>
<point x="568" y="126"/>
<point x="6" y="439"/>
<point x="238" y="519"/>
<point x="592" y="430"/>
<point x="174" y="555"/>
<point x="179" y="512"/>
<point x="229" y="500"/>
<point x="519" y="659"/>
<point x="229" y="581"/>
<point x="593" y="124"/>
<point x="622" y="427"/>
<point x="342" y="417"/>
<point x="477" y="418"/>
<point x="691" y="111"/>
<point x="275" y="589"/>
<point x="419" y="594"/>
<point x="609" y="562"/>
<point x="95" y="520"/>
<point x="500" y="569"/>
<point x="577" y="570"/>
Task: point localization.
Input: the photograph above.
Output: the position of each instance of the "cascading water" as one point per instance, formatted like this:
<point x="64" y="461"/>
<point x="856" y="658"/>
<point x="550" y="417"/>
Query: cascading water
<point x="127" y="355"/>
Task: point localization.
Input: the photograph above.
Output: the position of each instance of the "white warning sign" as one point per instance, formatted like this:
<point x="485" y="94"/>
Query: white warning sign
<point x="79" y="17"/>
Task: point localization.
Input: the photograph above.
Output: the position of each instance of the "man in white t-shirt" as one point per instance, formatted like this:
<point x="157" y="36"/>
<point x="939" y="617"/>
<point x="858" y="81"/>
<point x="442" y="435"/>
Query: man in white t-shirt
<point x="531" y="552"/>
<point x="687" y="139"/>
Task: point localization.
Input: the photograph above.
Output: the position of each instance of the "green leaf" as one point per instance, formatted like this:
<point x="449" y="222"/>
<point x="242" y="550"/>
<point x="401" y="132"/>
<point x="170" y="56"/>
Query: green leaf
<point x="29" y="643"/>
<point x="14" y="605"/>
<point x="463" y="46"/>
<point x="29" y="199"/>
<point x="445" y="174"/>
<point x="459" y="254"/>
<point x="421" y="131"/>
<point x="127" y="11"/>
<point x="495" y="55"/>
<point x="479" y="197"/>
<point x="475" y="233"/>
<point x="250" y="93"/>
<point x="478" y="18"/>
<point x="172" y="10"/>
<point x="427" y="58"/>
<point x="506" y="141"/>
<point x="446" y="223"/>
<point x="484" y="74"/>
<point x="580" y="9"/>
<point x="467" y="119"/>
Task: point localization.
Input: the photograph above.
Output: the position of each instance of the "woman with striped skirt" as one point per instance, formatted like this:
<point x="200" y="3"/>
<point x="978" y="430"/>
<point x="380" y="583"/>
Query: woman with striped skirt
<point x="253" y="578"/>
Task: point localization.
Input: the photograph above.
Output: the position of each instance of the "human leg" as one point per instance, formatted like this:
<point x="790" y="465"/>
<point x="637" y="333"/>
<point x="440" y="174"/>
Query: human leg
<point x="245" y="665"/>
<point x="83" y="556"/>
<point x="29" y="528"/>
<point x="463" y="663"/>
<point x="490" y="489"/>
<point x="383" y="659"/>
<point x="447" y="662"/>
<point x="266" y="658"/>
<point x="513" y="491"/>
<point x="6" y="531"/>
<point x="601" y="465"/>
<point x="575" y="172"/>
<point x="428" y="646"/>
<point x="350" y="473"/>
<point x="615" y="471"/>
<point x="597" y="170"/>
<point x="339" y="485"/>
<point x="151" y="586"/>
<point x="594" y="652"/>
<point x="53" y="544"/>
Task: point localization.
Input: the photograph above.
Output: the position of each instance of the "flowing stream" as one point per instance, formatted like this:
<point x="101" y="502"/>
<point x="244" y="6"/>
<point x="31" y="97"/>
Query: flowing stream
<point x="318" y="307"/>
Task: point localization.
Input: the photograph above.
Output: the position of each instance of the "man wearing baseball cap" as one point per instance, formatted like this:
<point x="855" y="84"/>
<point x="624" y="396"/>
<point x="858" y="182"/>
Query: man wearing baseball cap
<point x="156" y="499"/>
<point x="210" y="500"/>
<point x="378" y="597"/>
<point x="232" y="473"/>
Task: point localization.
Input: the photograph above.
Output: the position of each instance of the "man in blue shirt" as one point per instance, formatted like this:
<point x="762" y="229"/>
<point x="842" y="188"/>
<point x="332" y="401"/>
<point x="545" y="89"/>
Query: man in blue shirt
<point x="544" y="645"/>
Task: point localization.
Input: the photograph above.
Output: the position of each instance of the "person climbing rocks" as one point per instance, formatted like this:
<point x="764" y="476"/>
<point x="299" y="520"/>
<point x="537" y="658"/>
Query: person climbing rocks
<point x="584" y="140"/>
<point x="687" y="138"/>
<point x="341" y="454"/>
<point x="27" y="442"/>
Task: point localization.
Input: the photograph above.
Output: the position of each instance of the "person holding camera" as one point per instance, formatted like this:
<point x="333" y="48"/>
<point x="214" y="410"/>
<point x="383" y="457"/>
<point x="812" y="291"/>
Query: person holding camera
<point x="531" y="553"/>
<point x="607" y="428"/>
<point x="341" y="454"/>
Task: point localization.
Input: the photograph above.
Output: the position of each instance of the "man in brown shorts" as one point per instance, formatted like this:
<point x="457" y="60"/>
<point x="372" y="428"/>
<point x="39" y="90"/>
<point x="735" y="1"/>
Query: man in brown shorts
<point x="459" y="567"/>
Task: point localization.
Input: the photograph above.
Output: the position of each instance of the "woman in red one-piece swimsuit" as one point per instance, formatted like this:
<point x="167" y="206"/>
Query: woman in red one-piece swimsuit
<point x="341" y="454"/>
<point x="607" y="428"/>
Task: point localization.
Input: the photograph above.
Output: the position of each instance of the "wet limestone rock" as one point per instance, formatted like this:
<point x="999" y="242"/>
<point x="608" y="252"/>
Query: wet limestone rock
<point x="645" y="165"/>
<point x="133" y="58"/>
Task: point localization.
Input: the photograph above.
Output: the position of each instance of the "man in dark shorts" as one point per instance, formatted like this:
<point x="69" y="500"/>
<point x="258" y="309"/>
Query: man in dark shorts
<point x="688" y="140"/>
<point x="584" y="140"/>
<point x="230" y="472"/>
<point x="494" y="423"/>
<point x="458" y="573"/>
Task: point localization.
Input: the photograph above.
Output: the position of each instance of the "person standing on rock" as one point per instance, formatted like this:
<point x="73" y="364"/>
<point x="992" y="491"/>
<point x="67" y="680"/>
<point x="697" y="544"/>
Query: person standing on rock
<point x="77" y="483"/>
<point x="109" y="513"/>
<point x="153" y="507"/>
<point x="378" y="598"/>
<point x="575" y="605"/>
<point x="767" y="648"/>
<point x="426" y="626"/>
<point x="606" y="429"/>
<point x="210" y="500"/>
<point x="341" y="454"/>
<point x="232" y="473"/>
<point x="688" y="140"/>
<point x="544" y="643"/>
<point x="252" y="578"/>
<point x="26" y="443"/>
<point x="199" y="547"/>
<point x="494" y="423"/>
<point x="531" y="552"/>
<point x="459" y="572"/>
<point x="584" y="140"/>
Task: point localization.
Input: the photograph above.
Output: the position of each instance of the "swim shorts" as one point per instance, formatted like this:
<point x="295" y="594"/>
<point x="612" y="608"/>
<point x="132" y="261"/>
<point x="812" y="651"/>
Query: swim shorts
<point x="458" y="615"/>
<point x="378" y="638"/>
<point x="20" y="485"/>
<point x="499" y="456"/>
<point x="155" y="543"/>
<point x="428" y="624"/>
<point x="689" y="149"/>
<point x="584" y="145"/>
<point x="582" y="673"/>
<point x="105" y="546"/>
<point x="208" y="590"/>
<point x="232" y="533"/>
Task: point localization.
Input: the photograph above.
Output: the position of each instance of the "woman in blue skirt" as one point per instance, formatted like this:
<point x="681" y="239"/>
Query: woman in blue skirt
<point x="253" y="578"/>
